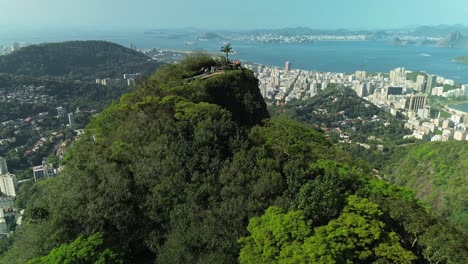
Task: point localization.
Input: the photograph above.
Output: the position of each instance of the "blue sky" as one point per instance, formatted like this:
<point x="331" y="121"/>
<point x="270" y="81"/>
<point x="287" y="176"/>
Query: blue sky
<point x="239" y="14"/>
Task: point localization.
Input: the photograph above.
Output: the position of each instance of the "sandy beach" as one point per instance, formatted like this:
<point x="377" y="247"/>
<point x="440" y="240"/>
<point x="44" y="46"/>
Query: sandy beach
<point x="456" y="111"/>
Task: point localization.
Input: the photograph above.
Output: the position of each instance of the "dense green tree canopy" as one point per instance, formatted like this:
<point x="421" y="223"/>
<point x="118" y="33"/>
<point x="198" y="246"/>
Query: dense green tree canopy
<point x="173" y="172"/>
<point x="357" y="235"/>
<point x="82" y="250"/>
<point x="437" y="172"/>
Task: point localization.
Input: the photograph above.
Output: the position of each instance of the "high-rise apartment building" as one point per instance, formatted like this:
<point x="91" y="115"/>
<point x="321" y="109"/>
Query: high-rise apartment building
<point x="415" y="102"/>
<point x="287" y="66"/>
<point x="8" y="184"/>
<point x="398" y="75"/>
<point x="431" y="83"/>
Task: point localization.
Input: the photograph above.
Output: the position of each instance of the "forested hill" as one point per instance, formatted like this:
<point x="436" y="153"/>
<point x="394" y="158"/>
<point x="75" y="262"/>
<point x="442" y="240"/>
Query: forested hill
<point x="347" y="117"/>
<point x="193" y="170"/>
<point x="438" y="173"/>
<point x="77" y="59"/>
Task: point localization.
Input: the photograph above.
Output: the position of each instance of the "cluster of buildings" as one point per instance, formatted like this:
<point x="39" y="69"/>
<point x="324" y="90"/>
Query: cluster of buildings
<point x="129" y="79"/>
<point x="288" y="39"/>
<point x="27" y="94"/>
<point x="393" y="92"/>
<point x="439" y="129"/>
<point x="30" y="135"/>
<point x="461" y="92"/>
<point x="44" y="171"/>
<point x="286" y="85"/>
<point x="62" y="113"/>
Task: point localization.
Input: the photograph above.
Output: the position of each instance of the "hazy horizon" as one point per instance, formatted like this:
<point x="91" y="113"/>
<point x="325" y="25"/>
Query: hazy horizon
<point x="238" y="15"/>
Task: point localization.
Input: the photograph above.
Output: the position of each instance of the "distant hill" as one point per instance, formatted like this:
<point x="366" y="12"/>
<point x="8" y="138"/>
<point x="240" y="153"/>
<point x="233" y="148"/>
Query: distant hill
<point x="340" y="109"/>
<point x="210" y="36"/>
<point x="454" y="40"/>
<point x="399" y="42"/>
<point x="437" y="173"/>
<point x="77" y="59"/>
<point x="462" y="59"/>
<point x="438" y="30"/>
<point x="339" y="104"/>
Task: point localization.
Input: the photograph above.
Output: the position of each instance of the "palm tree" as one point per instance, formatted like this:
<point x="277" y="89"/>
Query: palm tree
<point x="227" y="49"/>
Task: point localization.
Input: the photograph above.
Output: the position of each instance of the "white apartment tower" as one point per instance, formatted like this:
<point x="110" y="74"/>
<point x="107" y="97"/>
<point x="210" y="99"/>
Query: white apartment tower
<point x="8" y="183"/>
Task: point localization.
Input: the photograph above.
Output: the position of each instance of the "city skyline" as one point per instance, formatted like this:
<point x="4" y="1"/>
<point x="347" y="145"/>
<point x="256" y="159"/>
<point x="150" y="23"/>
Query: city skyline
<point x="242" y="14"/>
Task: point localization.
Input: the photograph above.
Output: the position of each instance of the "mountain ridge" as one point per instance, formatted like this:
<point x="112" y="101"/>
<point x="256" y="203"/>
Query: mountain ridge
<point x="76" y="59"/>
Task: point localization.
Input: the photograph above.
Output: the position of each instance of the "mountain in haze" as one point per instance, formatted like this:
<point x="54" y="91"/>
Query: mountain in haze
<point x="399" y="42"/>
<point x="454" y="40"/>
<point x="76" y="59"/>
<point x="210" y="36"/>
<point x="190" y="168"/>
<point x="438" y="31"/>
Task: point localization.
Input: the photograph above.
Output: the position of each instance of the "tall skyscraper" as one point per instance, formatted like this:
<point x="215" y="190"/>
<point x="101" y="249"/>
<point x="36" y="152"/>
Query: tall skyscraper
<point x="420" y="83"/>
<point x="465" y="89"/>
<point x="420" y="79"/>
<point x="287" y="66"/>
<point x="3" y="166"/>
<point x="361" y="89"/>
<point x="398" y="75"/>
<point x="431" y="83"/>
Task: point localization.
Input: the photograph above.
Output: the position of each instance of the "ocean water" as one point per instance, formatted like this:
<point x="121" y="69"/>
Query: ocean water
<point x="460" y="107"/>
<point x="333" y="56"/>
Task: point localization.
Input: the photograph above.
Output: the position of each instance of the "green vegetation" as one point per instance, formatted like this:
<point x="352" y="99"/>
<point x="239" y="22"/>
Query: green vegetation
<point x="289" y="238"/>
<point x="76" y="59"/>
<point x="437" y="174"/>
<point x="173" y="172"/>
<point x="82" y="250"/>
<point x="226" y="50"/>
<point x="339" y="110"/>
<point x="67" y="93"/>
<point x="462" y="59"/>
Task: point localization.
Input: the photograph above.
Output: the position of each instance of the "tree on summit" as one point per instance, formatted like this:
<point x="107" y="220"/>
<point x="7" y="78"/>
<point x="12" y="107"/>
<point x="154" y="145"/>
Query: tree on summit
<point x="227" y="49"/>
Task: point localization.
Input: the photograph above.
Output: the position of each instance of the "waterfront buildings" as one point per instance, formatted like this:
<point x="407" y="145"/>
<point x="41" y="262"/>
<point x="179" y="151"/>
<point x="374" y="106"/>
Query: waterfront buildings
<point x="393" y="93"/>
<point x="287" y="66"/>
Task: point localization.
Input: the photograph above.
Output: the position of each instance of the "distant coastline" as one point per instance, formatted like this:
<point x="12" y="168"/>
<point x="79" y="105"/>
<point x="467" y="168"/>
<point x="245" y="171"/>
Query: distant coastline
<point x="462" y="59"/>
<point x="458" y="111"/>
